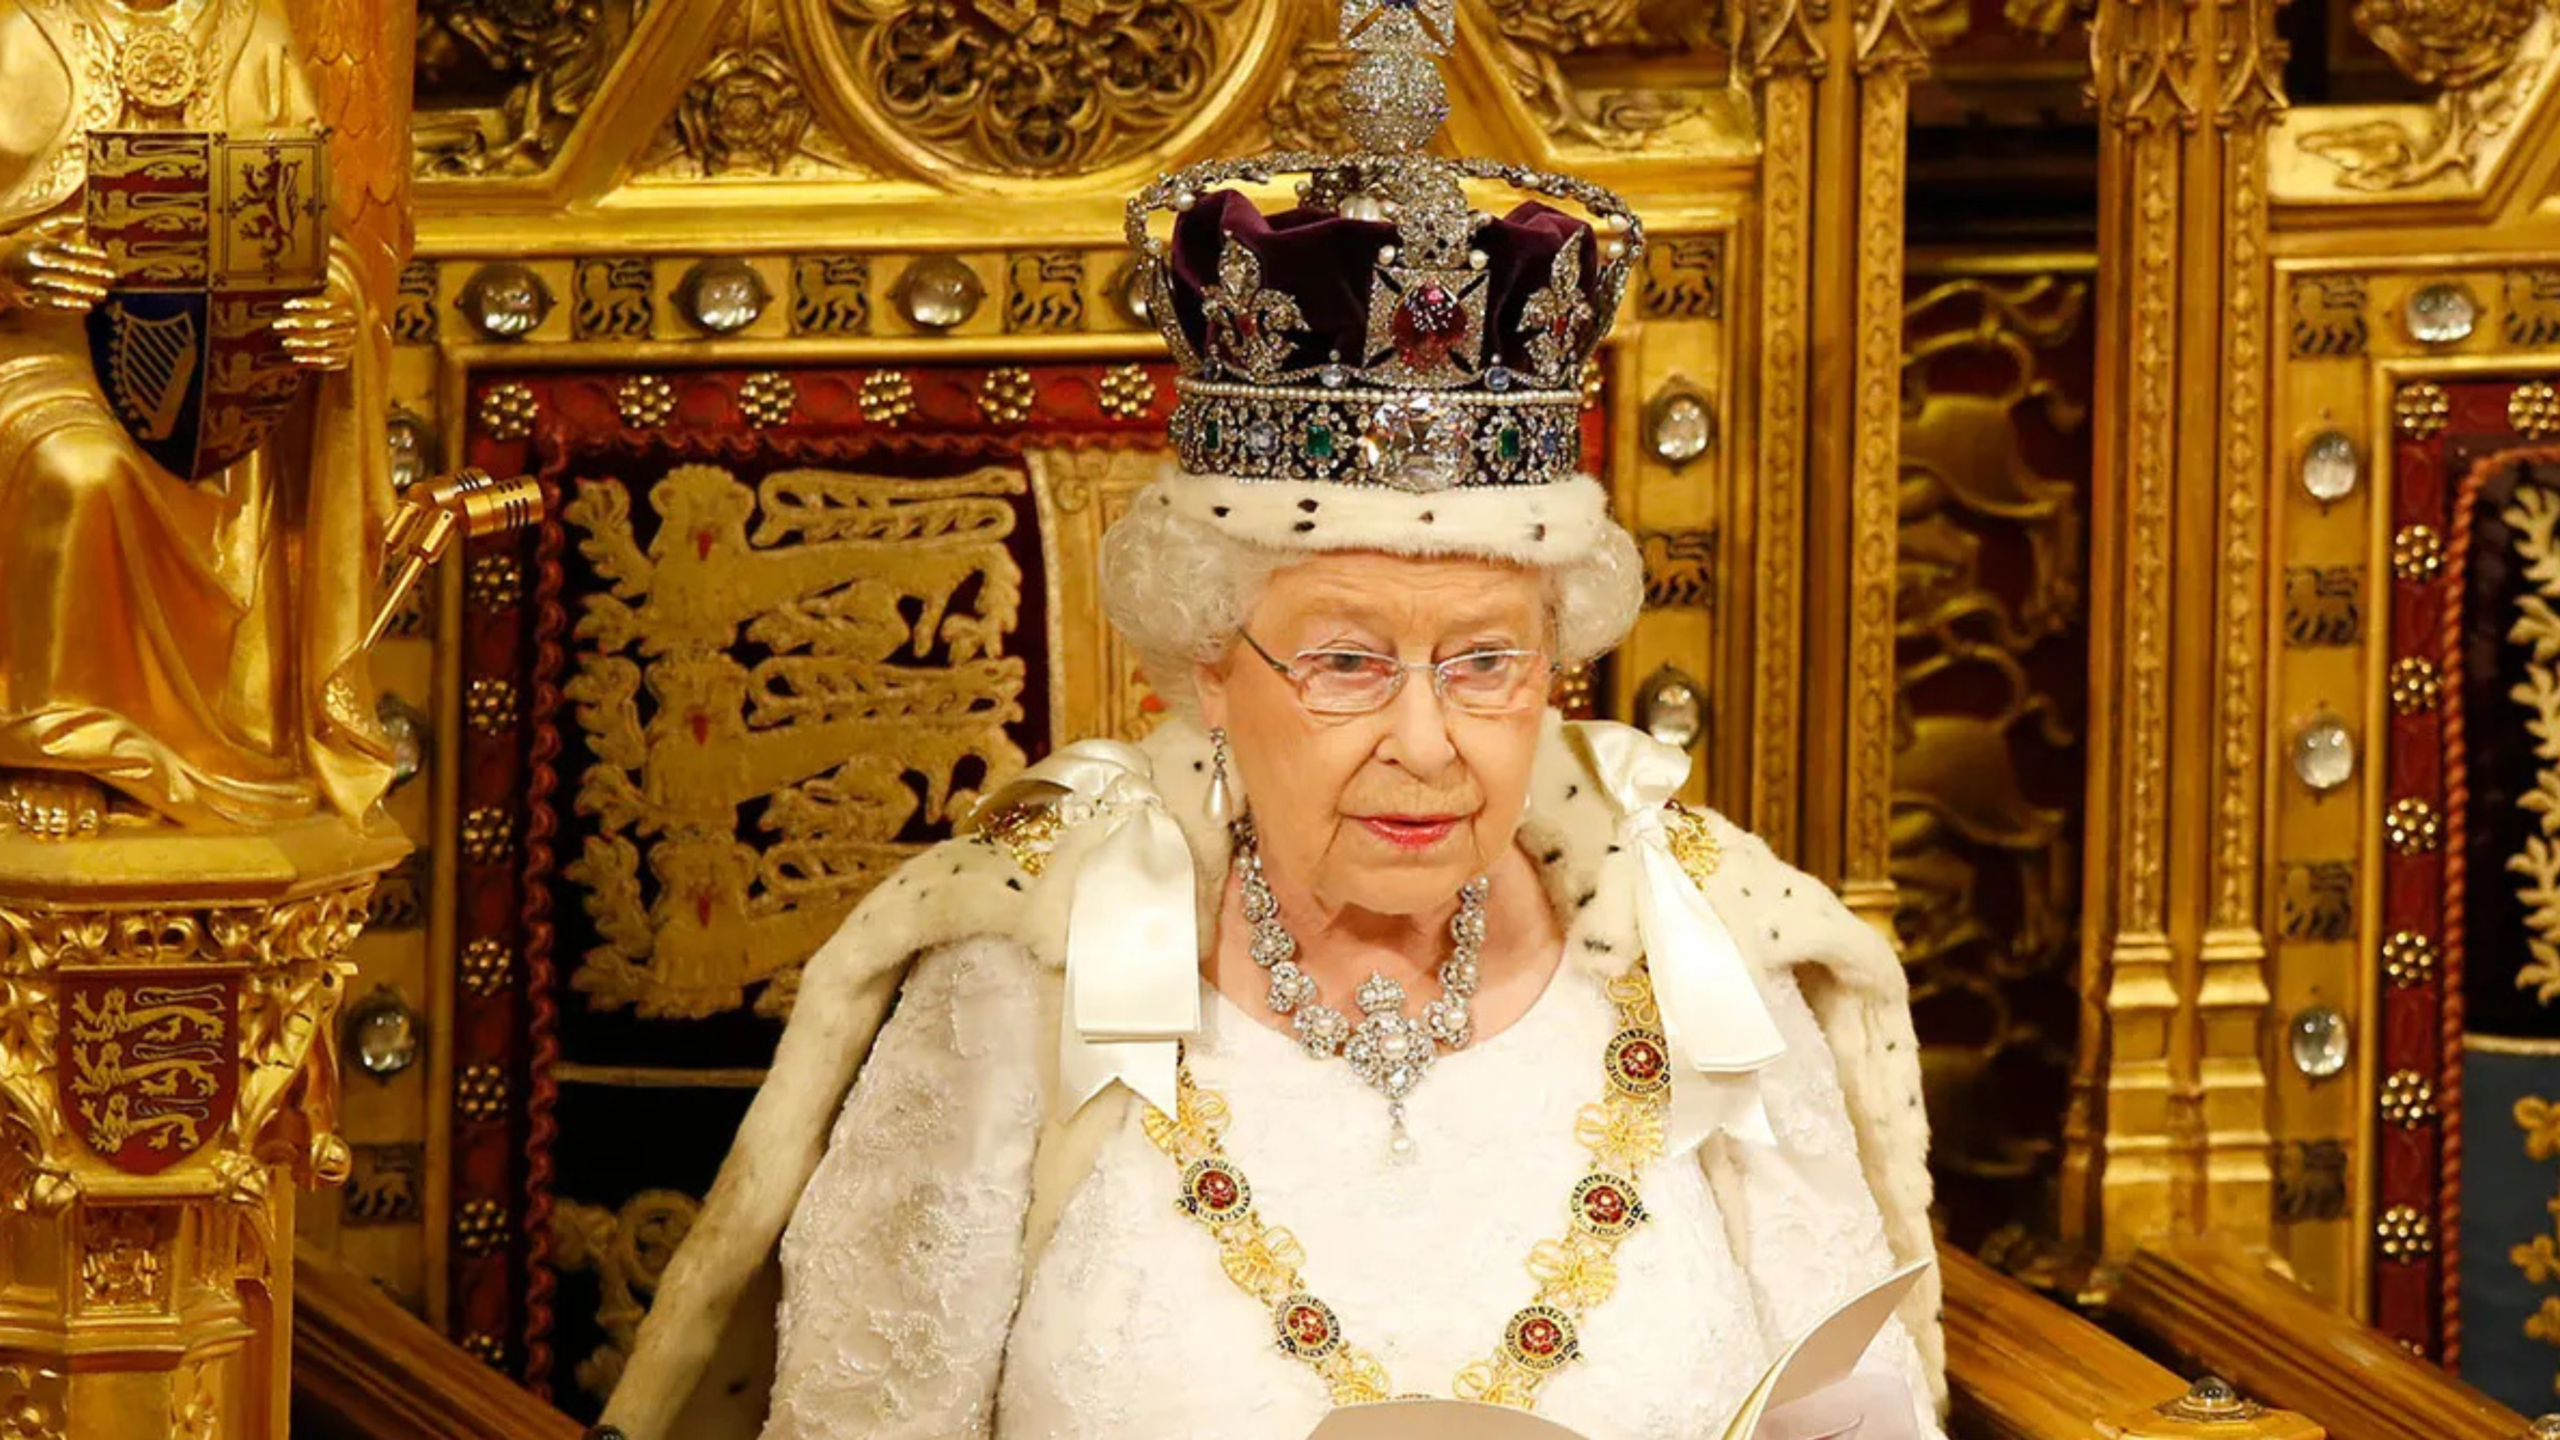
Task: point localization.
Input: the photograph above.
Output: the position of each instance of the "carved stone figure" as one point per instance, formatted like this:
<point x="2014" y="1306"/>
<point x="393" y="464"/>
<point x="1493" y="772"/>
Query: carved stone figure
<point x="178" y="647"/>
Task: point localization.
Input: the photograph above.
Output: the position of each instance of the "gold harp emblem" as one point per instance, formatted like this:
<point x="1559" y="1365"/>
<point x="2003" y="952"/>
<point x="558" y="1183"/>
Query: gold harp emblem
<point x="152" y="363"/>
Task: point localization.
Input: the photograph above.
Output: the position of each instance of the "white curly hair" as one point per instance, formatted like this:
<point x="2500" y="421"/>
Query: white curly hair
<point x="1178" y="590"/>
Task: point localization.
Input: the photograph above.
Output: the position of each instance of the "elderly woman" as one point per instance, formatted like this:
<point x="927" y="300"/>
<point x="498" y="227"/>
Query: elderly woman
<point x="1368" y="1031"/>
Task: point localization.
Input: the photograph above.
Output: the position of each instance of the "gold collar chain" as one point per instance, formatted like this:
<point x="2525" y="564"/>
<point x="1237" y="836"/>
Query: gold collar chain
<point x="1575" y="1273"/>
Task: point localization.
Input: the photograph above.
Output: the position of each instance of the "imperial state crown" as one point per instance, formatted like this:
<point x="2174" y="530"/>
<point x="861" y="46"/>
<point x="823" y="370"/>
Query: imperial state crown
<point x="1382" y="331"/>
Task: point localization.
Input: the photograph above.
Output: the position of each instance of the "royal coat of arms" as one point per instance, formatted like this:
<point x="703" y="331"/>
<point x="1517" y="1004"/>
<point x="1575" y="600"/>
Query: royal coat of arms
<point x="149" y="1063"/>
<point x="210" y="234"/>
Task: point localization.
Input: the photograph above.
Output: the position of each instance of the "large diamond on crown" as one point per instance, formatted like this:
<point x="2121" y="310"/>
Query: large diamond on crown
<point x="1415" y="442"/>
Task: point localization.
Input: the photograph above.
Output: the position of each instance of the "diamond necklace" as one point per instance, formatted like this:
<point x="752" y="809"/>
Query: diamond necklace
<point x="1388" y="1049"/>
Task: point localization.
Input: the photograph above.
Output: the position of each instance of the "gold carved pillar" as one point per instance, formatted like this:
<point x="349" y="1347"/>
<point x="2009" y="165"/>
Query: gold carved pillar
<point x="2168" y="1126"/>
<point x="1786" y="53"/>
<point x="1834" y="84"/>
<point x="168" y="1058"/>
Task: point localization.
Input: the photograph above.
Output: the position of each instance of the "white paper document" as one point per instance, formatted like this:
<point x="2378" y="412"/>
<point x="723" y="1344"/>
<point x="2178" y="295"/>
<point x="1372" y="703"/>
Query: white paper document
<point x="1820" y="1357"/>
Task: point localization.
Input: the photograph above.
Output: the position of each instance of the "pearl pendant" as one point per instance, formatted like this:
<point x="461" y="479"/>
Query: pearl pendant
<point x="1222" y="806"/>
<point x="1399" y="1139"/>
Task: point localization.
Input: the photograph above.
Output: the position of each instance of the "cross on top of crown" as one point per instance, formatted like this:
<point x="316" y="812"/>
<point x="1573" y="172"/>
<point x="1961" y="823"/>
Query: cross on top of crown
<point x="1425" y="26"/>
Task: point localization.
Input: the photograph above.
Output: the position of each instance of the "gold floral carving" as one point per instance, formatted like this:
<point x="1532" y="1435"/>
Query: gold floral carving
<point x="120" y="1262"/>
<point x="748" y="113"/>
<point x="2150" y="437"/>
<point x="1786" y="243"/>
<point x="1890" y="39"/>
<point x="195" y="1402"/>
<point x="2533" y="515"/>
<point x="1780" y="43"/>
<point x="1984" y="872"/>
<point x="780" y="683"/>
<point x="2143" y="55"/>
<point x="554" y="53"/>
<point x="2480" y="56"/>
<point x="1025" y="89"/>
<point x="745" y="109"/>
<point x="1539" y="37"/>
<point x="2252" y="95"/>
<point x="34" y="1399"/>
<point x="1889" y="55"/>
<point x="627" y="1250"/>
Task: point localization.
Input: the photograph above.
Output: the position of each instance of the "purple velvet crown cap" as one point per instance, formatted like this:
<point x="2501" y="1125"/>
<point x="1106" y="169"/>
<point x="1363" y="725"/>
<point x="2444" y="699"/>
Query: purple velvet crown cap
<point x="1326" y="264"/>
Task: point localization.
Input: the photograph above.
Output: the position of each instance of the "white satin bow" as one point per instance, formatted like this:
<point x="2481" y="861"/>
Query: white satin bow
<point x="1133" y="936"/>
<point x="1719" y="1029"/>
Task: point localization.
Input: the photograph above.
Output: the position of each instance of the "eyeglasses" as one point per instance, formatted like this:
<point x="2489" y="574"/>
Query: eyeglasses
<point x="1357" y="682"/>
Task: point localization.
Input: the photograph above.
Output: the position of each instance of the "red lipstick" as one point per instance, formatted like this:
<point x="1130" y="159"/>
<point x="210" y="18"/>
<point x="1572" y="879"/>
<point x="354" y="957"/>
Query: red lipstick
<point x="1411" y="832"/>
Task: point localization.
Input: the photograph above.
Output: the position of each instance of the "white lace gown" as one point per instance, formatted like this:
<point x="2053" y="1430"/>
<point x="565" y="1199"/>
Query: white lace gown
<point x="905" y="1312"/>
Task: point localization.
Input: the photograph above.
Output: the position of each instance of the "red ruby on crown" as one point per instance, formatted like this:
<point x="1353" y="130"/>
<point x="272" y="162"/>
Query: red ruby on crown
<point x="1429" y="323"/>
